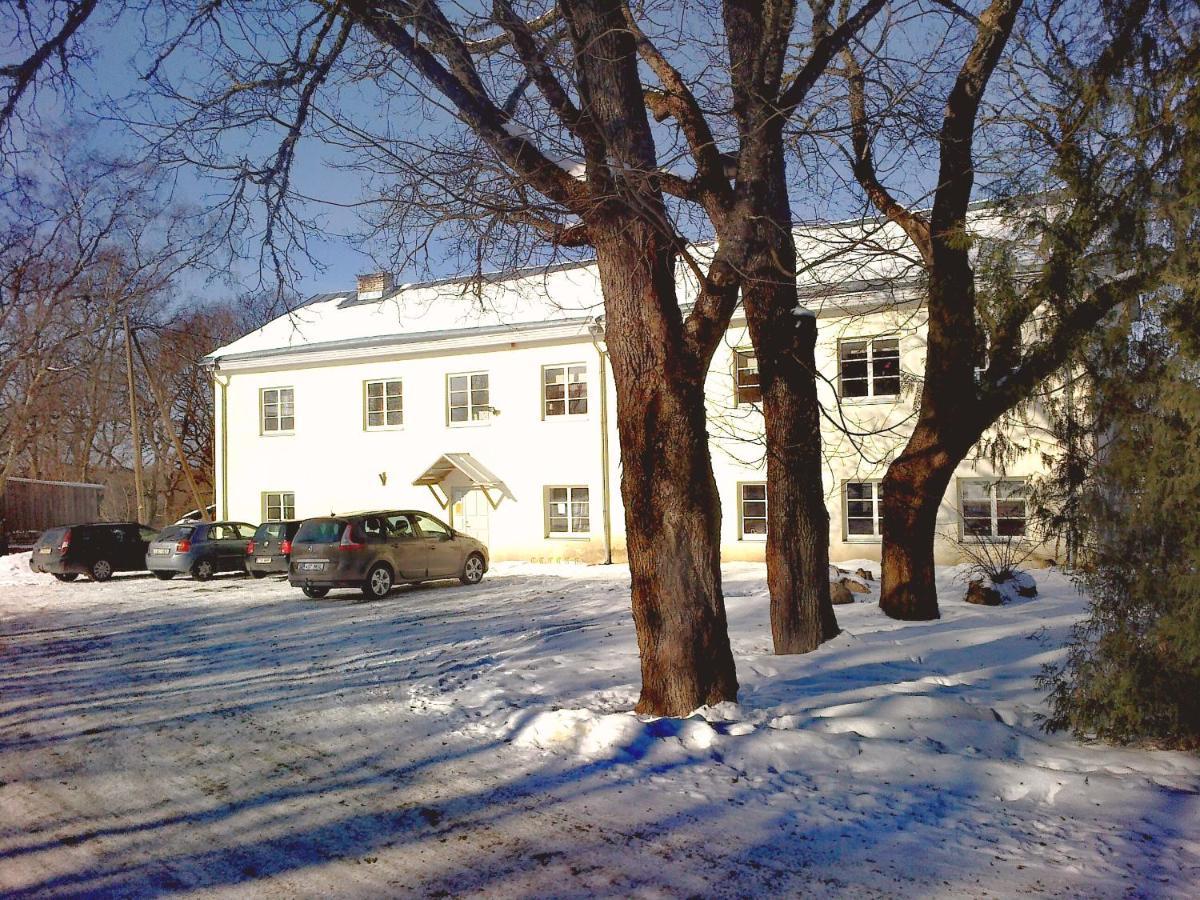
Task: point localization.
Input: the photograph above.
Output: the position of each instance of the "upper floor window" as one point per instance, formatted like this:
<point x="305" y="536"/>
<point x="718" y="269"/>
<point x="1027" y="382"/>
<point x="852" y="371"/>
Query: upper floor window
<point x="746" y="386"/>
<point x="869" y="368"/>
<point x="468" y="398"/>
<point x="564" y="390"/>
<point x="993" y="508"/>
<point x="278" y="410"/>
<point x="278" y="506"/>
<point x="752" y="510"/>
<point x="863" y="510"/>
<point x="568" y="511"/>
<point x="384" y="404"/>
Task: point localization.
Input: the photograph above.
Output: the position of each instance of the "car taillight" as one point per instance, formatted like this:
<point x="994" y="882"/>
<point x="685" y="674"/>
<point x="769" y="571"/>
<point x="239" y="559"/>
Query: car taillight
<point x="249" y="547"/>
<point x="66" y="542"/>
<point x="348" y="543"/>
<point x="183" y="546"/>
<point x="286" y="548"/>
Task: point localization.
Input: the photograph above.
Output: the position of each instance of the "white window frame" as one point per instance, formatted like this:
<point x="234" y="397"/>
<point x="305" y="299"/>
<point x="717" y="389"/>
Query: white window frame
<point x="367" y="426"/>
<point x="282" y="505"/>
<point x="876" y="501"/>
<point x="471" y="407"/>
<point x="871" y="394"/>
<point x="565" y="368"/>
<point x="743" y="535"/>
<point x="278" y="404"/>
<point x="993" y="533"/>
<point x="571" y="518"/>
<point x="738" y="368"/>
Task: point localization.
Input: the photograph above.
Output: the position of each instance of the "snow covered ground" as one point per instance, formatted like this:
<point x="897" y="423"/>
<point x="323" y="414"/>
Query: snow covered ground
<point x="233" y="738"/>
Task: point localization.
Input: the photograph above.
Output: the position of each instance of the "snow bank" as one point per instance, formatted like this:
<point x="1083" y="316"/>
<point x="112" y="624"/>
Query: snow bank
<point x="14" y="569"/>
<point x="625" y="736"/>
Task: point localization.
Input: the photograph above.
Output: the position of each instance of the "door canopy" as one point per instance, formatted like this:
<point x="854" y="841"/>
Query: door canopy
<point x="458" y="469"/>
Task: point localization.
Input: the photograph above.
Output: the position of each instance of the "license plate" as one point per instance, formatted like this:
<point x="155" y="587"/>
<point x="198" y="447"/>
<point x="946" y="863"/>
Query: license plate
<point x="44" y="550"/>
<point x="160" y="551"/>
<point x="262" y="559"/>
<point x="312" y="567"/>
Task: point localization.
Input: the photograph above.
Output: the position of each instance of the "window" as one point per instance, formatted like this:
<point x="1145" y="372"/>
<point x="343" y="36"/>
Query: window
<point x="568" y="511"/>
<point x="468" y="398"/>
<point x="564" y="390"/>
<point x="431" y="527"/>
<point x="278" y="505"/>
<point x="278" y="410"/>
<point x="862" y="510"/>
<point x="384" y="404"/>
<point x="869" y="368"/>
<point x="992" y="509"/>
<point x="401" y="527"/>
<point x="752" y="511"/>
<point x="745" y="381"/>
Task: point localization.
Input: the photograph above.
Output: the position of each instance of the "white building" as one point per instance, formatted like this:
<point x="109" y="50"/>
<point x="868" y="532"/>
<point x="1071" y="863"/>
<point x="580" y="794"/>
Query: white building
<point x="495" y="409"/>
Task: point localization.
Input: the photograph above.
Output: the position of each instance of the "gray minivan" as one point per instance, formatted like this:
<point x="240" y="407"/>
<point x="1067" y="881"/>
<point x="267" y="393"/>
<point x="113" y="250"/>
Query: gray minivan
<point x="375" y="550"/>
<point x="201" y="549"/>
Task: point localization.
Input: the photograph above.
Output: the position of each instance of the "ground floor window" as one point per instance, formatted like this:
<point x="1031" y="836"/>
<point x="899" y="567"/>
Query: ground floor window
<point x="861" y="505"/>
<point x="993" y="508"/>
<point x="568" y="511"/>
<point x="752" y="510"/>
<point x="278" y="505"/>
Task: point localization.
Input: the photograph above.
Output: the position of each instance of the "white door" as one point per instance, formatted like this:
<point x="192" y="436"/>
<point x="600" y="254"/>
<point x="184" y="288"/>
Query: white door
<point x="469" y="511"/>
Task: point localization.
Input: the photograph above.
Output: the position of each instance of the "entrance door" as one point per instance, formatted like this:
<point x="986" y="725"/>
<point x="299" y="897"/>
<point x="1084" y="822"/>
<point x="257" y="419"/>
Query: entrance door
<point x="469" y="511"/>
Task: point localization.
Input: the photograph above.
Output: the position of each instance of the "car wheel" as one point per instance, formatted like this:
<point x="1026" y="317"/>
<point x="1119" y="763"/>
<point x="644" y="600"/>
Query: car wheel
<point x="379" y="582"/>
<point x="164" y="576"/>
<point x="101" y="570"/>
<point x="203" y="570"/>
<point x="66" y="576"/>
<point x="316" y="593"/>
<point x="472" y="572"/>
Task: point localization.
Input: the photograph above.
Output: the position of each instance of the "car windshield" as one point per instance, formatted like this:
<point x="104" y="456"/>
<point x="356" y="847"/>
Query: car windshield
<point x="320" y="531"/>
<point x="175" y="532"/>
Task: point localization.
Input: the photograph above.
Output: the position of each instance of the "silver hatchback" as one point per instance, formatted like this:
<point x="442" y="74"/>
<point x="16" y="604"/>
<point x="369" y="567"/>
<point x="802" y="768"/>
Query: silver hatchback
<point x="373" y="551"/>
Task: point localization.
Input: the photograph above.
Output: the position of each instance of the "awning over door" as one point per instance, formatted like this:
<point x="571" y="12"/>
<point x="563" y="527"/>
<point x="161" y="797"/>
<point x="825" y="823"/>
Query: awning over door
<point x="459" y="469"/>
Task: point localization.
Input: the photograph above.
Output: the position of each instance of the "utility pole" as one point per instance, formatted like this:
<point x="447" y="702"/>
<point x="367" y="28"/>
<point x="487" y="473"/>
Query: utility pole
<point x="170" y="429"/>
<point x="138" y="487"/>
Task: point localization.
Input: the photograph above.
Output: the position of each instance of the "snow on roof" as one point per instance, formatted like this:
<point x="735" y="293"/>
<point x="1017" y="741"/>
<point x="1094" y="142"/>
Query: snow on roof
<point x="835" y="260"/>
<point x="558" y="293"/>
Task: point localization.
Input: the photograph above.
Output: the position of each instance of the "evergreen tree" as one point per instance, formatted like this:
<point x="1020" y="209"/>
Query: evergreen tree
<point x="1132" y="671"/>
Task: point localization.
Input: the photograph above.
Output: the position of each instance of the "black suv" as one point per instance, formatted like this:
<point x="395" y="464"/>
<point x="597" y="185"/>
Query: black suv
<point x="96" y="550"/>
<point x="270" y="549"/>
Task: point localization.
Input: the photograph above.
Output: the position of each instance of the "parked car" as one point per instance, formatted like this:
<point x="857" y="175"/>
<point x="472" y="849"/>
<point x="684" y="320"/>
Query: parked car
<point x="375" y="550"/>
<point x="97" y="549"/>
<point x="201" y="550"/>
<point x="269" y="551"/>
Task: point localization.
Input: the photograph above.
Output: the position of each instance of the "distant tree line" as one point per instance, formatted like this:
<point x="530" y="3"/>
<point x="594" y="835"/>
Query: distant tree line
<point x="85" y="247"/>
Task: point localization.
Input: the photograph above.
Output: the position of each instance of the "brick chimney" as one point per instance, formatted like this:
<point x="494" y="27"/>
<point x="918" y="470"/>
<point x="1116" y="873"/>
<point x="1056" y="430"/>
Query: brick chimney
<point x="375" y="285"/>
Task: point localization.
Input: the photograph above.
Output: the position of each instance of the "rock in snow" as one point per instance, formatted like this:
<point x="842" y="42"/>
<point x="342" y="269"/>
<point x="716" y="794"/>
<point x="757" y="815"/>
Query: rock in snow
<point x="983" y="594"/>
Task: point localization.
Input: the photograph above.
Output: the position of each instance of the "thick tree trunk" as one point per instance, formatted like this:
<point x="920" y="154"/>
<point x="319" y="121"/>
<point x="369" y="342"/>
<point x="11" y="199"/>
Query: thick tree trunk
<point x="913" y="489"/>
<point x="802" y="614"/>
<point x="672" y="510"/>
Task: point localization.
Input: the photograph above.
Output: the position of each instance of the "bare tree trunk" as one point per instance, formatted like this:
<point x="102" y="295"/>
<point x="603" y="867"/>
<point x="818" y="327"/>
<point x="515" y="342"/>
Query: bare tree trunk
<point x="913" y="489"/>
<point x="672" y="511"/>
<point x="802" y="614"/>
<point x="797" y="522"/>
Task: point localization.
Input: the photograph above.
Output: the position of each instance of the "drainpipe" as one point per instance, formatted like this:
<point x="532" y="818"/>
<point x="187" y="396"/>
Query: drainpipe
<point x="222" y="383"/>
<point x="597" y="332"/>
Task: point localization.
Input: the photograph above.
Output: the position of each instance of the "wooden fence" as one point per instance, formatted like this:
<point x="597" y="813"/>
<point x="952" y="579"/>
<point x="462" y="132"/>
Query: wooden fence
<point x="28" y="507"/>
